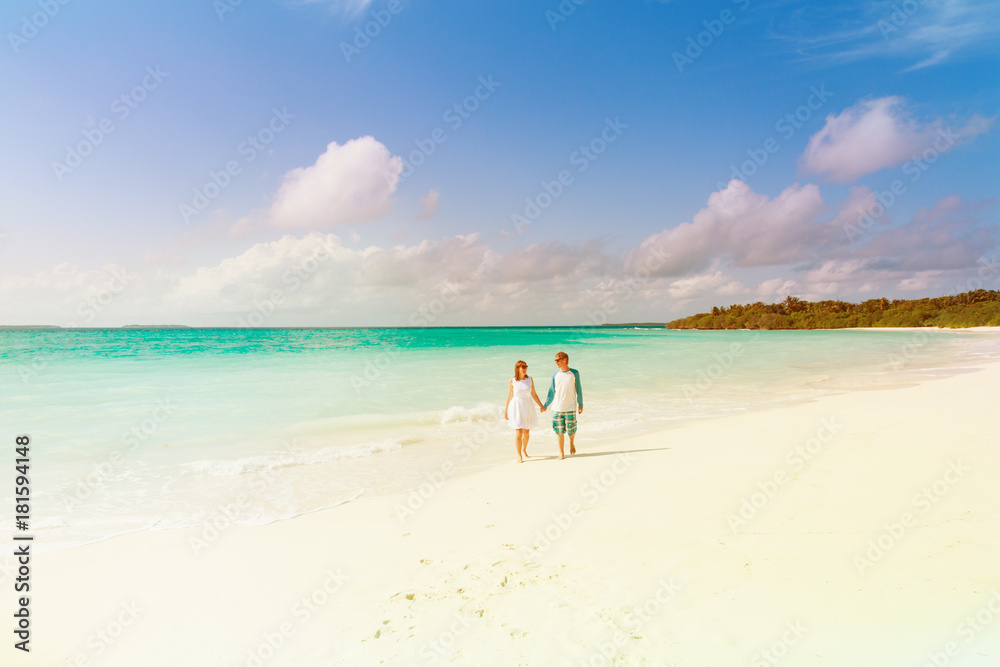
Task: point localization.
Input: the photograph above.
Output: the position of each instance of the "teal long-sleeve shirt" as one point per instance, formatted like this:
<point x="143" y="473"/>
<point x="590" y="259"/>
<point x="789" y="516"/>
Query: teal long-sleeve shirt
<point x="552" y="388"/>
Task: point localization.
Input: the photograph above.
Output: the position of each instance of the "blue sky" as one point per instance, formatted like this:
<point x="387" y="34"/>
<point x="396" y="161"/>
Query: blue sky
<point x="643" y="109"/>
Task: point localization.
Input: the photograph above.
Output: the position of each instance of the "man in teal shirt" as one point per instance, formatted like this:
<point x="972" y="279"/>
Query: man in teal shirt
<point x="566" y="398"/>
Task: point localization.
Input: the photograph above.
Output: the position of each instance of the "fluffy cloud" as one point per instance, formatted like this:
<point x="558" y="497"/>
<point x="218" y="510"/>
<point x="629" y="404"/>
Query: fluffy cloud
<point x="72" y="296"/>
<point x="742" y="246"/>
<point x="749" y="228"/>
<point x="879" y="133"/>
<point x="347" y="184"/>
<point x="690" y="287"/>
<point x="939" y="249"/>
<point x="552" y="262"/>
<point x="944" y="236"/>
<point x="429" y="202"/>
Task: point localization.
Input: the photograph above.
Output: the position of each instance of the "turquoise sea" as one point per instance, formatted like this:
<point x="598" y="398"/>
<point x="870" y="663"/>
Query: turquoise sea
<point x="147" y="429"/>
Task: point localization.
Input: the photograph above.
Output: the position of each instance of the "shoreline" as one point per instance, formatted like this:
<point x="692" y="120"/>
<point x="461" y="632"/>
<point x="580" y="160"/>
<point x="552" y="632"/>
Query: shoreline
<point x="940" y="368"/>
<point x="630" y="544"/>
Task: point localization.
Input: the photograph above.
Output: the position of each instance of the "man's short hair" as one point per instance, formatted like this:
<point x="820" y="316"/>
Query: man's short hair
<point x="562" y="355"/>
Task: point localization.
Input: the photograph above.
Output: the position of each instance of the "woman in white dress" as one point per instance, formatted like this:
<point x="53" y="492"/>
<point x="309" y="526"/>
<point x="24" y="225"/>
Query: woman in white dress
<point x="519" y="412"/>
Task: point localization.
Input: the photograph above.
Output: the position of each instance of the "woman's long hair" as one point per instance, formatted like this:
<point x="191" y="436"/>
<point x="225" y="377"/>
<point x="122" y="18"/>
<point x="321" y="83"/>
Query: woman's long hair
<point x="520" y="364"/>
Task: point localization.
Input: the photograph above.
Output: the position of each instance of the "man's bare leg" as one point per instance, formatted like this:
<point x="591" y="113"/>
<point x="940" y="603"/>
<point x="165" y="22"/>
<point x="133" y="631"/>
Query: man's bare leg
<point x="560" y="436"/>
<point x="572" y="447"/>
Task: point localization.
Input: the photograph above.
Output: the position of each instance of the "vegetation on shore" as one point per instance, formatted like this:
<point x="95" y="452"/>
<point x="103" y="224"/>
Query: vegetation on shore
<point x="969" y="309"/>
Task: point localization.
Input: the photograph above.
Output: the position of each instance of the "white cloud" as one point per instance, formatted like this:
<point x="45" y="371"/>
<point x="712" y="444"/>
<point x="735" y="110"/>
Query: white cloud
<point x="697" y="285"/>
<point x="728" y="250"/>
<point x="347" y="184"/>
<point x="429" y="202"/>
<point x="925" y="32"/>
<point x="947" y="235"/>
<point x="775" y="287"/>
<point x="749" y="228"/>
<point x="876" y="134"/>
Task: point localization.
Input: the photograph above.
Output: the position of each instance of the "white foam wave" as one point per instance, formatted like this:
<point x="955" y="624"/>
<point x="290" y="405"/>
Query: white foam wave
<point x="252" y="464"/>
<point x="483" y="412"/>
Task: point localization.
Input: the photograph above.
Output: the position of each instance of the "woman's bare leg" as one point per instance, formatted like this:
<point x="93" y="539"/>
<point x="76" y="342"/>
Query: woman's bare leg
<point x="524" y="443"/>
<point x="518" y="440"/>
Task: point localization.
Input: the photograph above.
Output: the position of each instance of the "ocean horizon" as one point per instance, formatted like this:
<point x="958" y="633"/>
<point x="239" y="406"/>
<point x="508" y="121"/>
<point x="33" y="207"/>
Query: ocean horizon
<point x="151" y="428"/>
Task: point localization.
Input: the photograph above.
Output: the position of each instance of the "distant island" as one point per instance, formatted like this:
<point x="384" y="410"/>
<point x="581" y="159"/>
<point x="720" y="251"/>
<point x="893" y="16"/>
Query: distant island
<point x="970" y="309"/>
<point x="6" y="327"/>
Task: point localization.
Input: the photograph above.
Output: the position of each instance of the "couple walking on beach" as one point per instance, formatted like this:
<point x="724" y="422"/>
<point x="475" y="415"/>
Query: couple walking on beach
<point x="565" y="397"/>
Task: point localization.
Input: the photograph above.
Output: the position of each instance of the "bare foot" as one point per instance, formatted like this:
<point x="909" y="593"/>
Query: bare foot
<point x="561" y="457"/>
<point x="572" y="450"/>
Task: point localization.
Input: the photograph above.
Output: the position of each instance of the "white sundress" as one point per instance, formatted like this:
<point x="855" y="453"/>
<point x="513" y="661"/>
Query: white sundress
<point x="521" y="412"/>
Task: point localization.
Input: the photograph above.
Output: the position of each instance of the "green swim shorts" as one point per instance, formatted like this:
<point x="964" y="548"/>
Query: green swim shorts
<point x="564" y="422"/>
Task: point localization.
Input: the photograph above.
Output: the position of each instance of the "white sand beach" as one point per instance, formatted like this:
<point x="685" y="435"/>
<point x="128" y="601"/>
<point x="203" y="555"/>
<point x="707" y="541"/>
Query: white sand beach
<point x="859" y="529"/>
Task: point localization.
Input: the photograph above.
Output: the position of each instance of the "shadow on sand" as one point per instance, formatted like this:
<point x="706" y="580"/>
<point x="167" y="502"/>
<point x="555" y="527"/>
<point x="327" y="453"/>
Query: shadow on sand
<point x="579" y="455"/>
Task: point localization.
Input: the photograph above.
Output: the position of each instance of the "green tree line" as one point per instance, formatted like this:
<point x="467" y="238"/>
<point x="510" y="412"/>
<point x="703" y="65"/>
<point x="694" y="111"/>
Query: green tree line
<point x="969" y="309"/>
